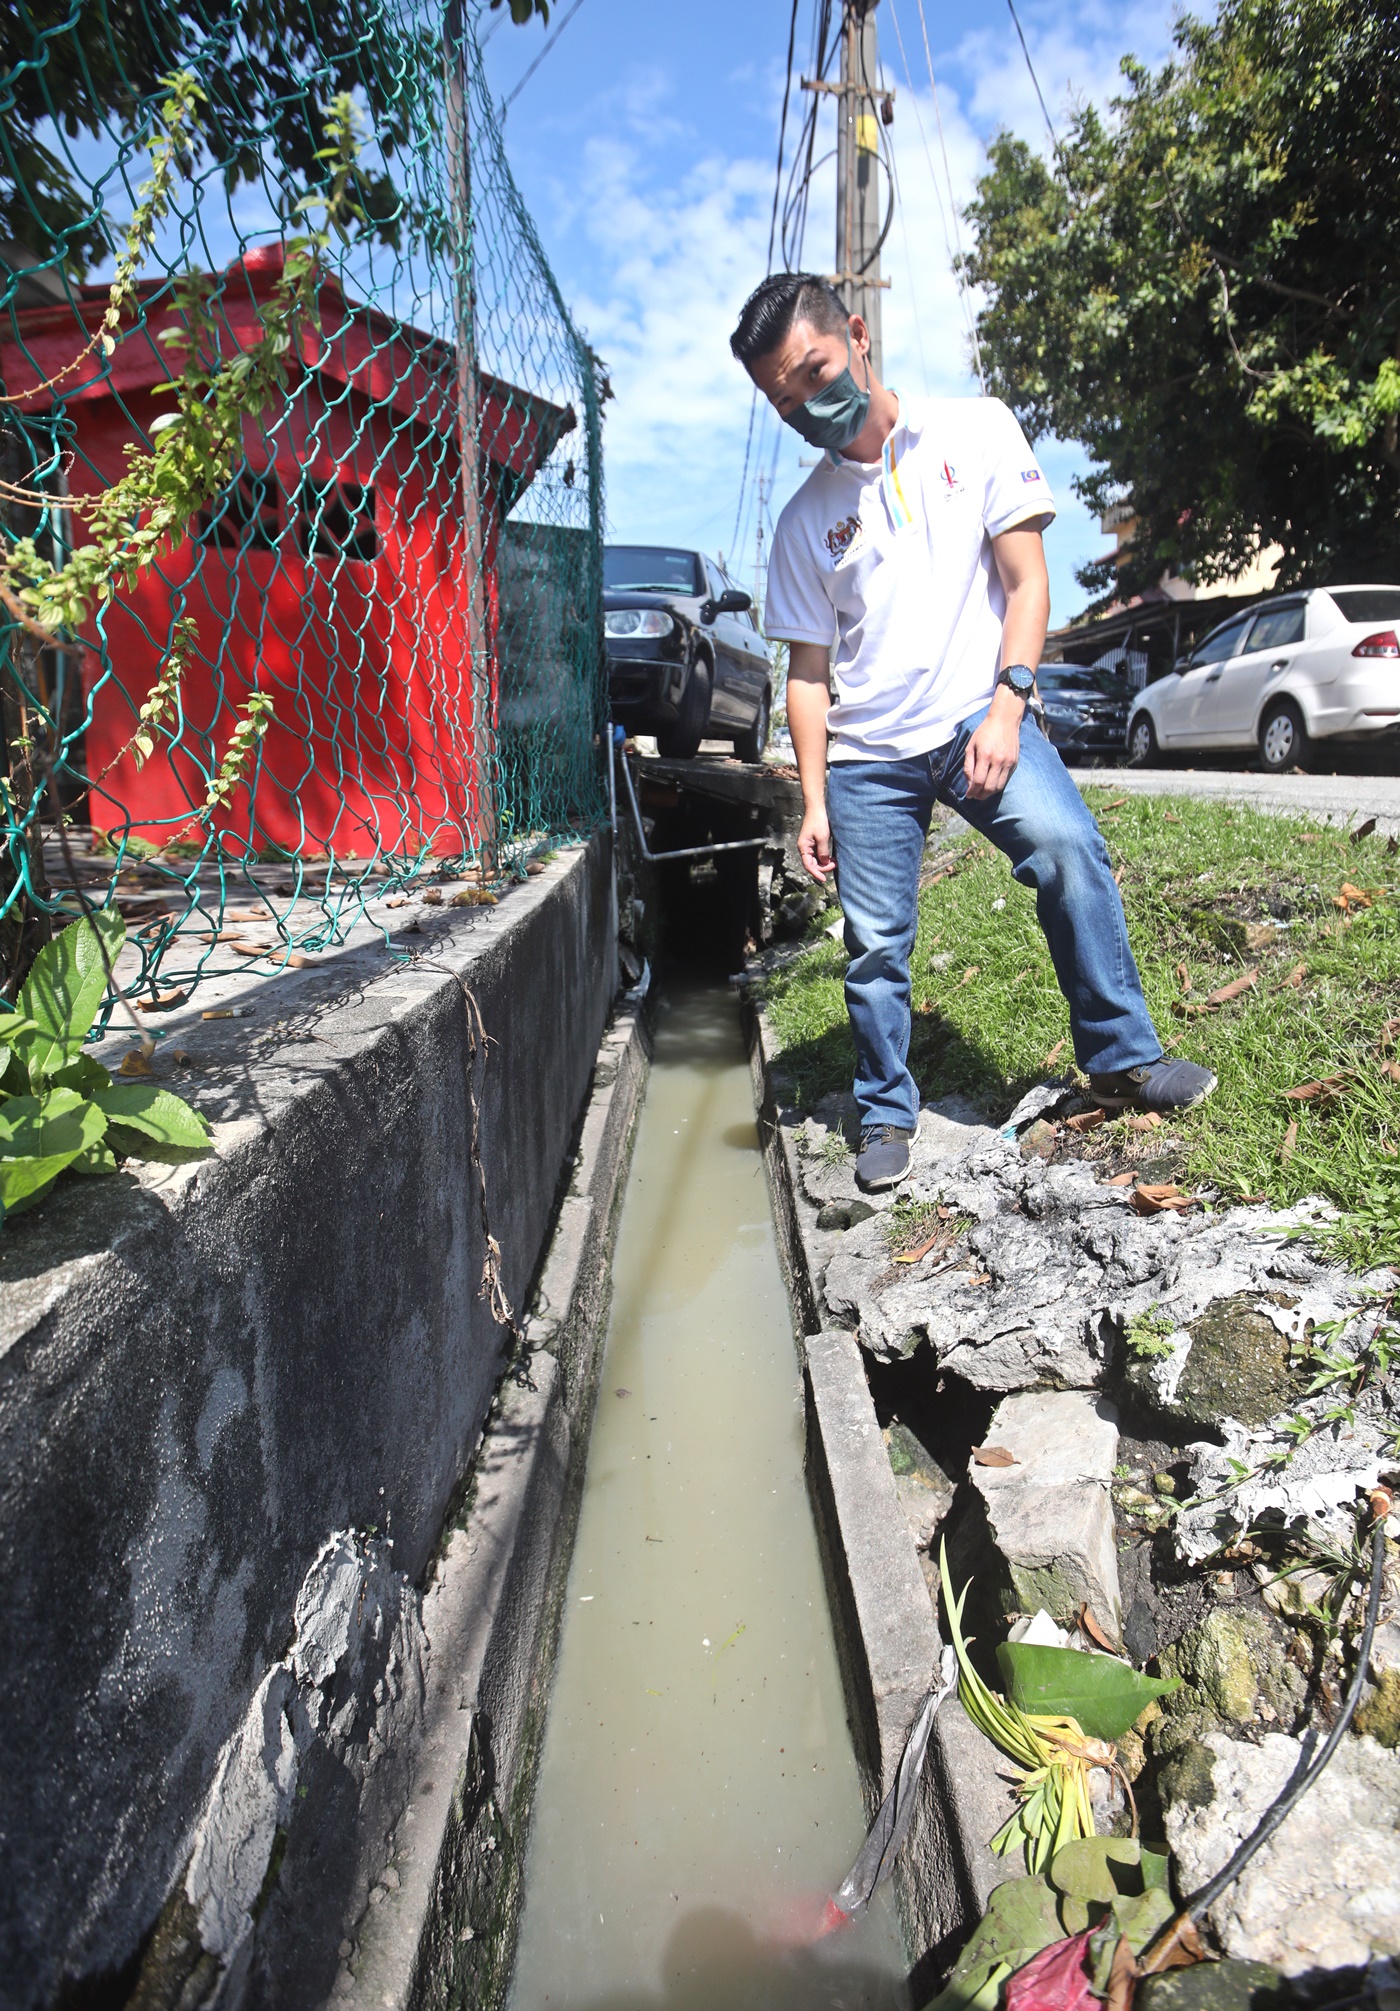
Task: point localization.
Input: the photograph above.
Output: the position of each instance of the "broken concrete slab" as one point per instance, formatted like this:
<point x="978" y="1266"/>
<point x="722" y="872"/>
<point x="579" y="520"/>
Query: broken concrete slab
<point x="924" y="1489"/>
<point x="1324" y="1892"/>
<point x="1050" y="1514"/>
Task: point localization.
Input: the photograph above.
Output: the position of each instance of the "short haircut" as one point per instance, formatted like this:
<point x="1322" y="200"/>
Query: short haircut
<point x="778" y="303"/>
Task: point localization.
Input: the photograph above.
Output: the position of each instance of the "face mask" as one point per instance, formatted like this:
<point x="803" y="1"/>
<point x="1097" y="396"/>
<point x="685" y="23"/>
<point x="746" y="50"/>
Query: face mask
<point x="833" y="417"/>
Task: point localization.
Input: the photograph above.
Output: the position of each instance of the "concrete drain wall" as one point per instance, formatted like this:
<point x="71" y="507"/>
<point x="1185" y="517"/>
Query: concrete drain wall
<point x="237" y="1399"/>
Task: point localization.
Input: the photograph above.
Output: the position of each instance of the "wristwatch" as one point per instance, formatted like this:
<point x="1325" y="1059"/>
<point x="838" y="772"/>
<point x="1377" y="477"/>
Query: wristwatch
<point x="1021" y="679"/>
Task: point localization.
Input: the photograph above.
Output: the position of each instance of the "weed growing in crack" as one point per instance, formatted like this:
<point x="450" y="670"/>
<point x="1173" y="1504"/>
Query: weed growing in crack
<point x="1148" y="1334"/>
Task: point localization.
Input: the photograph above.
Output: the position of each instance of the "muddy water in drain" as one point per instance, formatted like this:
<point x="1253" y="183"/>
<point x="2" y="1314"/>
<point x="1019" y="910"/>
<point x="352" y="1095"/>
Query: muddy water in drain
<point x="697" y="1791"/>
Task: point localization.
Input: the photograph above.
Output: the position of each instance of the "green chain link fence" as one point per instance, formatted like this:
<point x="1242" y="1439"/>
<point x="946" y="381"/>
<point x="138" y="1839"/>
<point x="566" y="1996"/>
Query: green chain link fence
<point x="302" y="484"/>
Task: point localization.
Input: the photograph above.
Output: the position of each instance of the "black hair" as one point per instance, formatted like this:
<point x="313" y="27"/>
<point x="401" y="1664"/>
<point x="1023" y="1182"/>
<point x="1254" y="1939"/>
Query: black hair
<point x="779" y="301"/>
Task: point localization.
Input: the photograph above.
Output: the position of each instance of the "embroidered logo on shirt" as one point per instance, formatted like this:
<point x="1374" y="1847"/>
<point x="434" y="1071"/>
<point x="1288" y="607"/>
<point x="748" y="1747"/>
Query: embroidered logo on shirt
<point x="1031" y="475"/>
<point x="951" y="485"/>
<point x="841" y="537"/>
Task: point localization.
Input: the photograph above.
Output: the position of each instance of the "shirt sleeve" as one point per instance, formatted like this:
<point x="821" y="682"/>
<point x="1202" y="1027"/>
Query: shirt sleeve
<point x="1016" y="491"/>
<point x="797" y="607"/>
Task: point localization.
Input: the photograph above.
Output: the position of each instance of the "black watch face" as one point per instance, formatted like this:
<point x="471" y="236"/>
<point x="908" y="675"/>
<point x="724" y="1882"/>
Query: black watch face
<point x="1021" y="679"/>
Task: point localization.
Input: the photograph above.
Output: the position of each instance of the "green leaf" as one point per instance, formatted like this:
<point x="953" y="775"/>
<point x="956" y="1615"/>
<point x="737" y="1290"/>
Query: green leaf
<point x="1023" y="1916"/>
<point x="39" y="1137"/>
<point x="98" y="1158"/>
<point x="1105" y="1868"/>
<point x="13" y="1024"/>
<point x="1104" y="1694"/>
<point x="64" y="989"/>
<point x="83" y="1073"/>
<point x="156" y="1113"/>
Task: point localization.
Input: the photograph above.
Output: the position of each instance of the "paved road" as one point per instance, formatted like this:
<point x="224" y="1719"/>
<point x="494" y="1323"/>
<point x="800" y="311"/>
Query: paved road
<point x="1331" y="799"/>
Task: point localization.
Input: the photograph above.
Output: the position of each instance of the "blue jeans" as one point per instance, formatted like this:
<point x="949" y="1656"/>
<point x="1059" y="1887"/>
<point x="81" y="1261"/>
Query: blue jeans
<point x="879" y="813"/>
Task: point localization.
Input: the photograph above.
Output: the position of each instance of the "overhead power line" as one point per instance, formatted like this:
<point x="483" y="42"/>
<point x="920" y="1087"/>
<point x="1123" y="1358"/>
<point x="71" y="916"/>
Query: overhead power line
<point x="1044" y="109"/>
<point x="564" y="21"/>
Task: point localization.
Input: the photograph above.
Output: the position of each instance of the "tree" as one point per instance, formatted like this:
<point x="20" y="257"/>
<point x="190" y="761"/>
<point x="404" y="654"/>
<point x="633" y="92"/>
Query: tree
<point x="68" y="71"/>
<point x="1205" y="290"/>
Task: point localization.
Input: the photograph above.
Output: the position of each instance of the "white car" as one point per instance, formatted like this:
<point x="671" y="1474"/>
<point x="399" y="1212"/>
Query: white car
<point x="1320" y="665"/>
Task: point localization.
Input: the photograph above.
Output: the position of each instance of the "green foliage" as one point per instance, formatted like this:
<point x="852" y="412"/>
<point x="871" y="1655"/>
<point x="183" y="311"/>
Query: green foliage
<point x="82" y="70"/>
<point x="1104" y="1882"/>
<point x="989" y="1035"/>
<point x="1148" y="1334"/>
<point x="59" y="1108"/>
<point x="1201" y="290"/>
<point x="1105" y="1695"/>
<point x="522" y="11"/>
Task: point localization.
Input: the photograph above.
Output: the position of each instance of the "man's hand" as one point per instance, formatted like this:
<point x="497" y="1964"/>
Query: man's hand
<point x="814" y="845"/>
<point x="995" y="748"/>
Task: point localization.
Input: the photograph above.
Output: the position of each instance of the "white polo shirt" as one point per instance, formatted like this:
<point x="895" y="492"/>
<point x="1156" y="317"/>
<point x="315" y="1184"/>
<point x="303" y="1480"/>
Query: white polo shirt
<point x="891" y="561"/>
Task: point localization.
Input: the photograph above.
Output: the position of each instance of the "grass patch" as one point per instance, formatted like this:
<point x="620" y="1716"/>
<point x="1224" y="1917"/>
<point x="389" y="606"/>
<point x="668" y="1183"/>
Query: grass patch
<point x="1199" y="881"/>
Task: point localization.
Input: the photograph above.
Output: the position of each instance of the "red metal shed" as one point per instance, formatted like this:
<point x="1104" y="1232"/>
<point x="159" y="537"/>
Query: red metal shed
<point x="334" y="574"/>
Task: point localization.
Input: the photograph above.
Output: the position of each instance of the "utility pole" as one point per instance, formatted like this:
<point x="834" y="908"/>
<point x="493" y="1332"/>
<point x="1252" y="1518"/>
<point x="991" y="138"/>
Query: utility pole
<point x="765" y="488"/>
<point x="857" y="275"/>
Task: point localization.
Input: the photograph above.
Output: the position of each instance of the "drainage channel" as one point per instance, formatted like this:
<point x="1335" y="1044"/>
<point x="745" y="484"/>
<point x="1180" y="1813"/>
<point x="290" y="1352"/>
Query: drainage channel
<point x="697" y="1794"/>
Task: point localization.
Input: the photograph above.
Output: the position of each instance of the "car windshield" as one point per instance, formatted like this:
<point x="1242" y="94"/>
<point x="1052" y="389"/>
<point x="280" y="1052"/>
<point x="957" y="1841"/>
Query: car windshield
<point x="1363" y="604"/>
<point x="1082" y="677"/>
<point x="648" y="566"/>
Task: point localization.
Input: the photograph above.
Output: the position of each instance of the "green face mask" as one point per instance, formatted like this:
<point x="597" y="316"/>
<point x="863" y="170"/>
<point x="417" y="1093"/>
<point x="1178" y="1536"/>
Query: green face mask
<point x="833" y="416"/>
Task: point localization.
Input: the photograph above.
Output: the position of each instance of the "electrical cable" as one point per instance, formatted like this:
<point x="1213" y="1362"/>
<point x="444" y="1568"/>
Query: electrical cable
<point x="1282" y="1807"/>
<point x="954" y="261"/>
<point x="1049" y="123"/>
<point x="952" y="204"/>
<point x="782" y="132"/>
<point x="511" y="97"/>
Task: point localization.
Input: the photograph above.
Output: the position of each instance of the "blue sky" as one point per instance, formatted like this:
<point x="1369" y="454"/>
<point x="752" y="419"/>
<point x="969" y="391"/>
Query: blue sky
<point x="645" y="146"/>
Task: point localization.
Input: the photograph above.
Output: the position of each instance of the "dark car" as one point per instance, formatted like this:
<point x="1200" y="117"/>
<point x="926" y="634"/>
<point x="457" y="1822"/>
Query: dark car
<point x="1086" y="708"/>
<point x="685" y="658"/>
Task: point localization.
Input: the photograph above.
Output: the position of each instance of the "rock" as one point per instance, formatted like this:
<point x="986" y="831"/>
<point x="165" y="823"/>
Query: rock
<point x="844" y="1214"/>
<point x="1324" y="1892"/>
<point x="925" y="1491"/>
<point x="1316" y="1481"/>
<point x="1050" y="1515"/>
<point x="1379" y="1713"/>
<point x="1238" y="1366"/>
<point x="1216" y="1986"/>
<point x="1038" y="1103"/>
<point x="1187" y="1777"/>
<point x="1038" y="1140"/>
<point x="1229" y="1663"/>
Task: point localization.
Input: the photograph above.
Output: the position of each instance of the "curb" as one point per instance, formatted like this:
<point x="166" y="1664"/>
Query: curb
<point x="887" y="1630"/>
<point x="441" y="1927"/>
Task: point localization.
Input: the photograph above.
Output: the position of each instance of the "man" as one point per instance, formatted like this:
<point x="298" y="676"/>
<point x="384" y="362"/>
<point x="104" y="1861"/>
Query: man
<point x="914" y="548"/>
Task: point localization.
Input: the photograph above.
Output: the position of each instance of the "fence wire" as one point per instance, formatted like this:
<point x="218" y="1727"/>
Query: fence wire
<point x="373" y="650"/>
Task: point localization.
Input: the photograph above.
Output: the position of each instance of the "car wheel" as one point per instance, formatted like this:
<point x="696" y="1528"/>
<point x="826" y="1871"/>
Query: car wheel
<point x="750" y="746"/>
<point x="1283" y="738"/>
<point x="682" y="741"/>
<point x="1143" y="751"/>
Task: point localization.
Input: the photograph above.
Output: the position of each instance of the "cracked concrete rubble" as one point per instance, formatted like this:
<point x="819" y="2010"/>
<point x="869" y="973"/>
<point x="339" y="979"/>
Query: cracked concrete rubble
<point x="1051" y="1266"/>
<point x="1324" y="1892"/>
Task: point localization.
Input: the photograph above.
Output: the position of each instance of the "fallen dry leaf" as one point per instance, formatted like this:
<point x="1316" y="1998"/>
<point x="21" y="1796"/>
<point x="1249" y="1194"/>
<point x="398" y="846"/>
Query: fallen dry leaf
<point x="1234" y="990"/>
<point x="1183" y="976"/>
<point x="1170" y="817"/>
<point x="1348" y="897"/>
<point x="1086" y="1120"/>
<point x="982" y="1278"/>
<point x="920" y="1250"/>
<point x="1161" y="1199"/>
<point x="1123" y="1179"/>
<point x="1308" y="837"/>
<point x="472" y="897"/>
<point x="970" y="973"/>
<point x="243" y="948"/>
<point x="1363" y="830"/>
<point x="1388" y="1033"/>
<point x="164" y="1001"/>
<point x="433" y="896"/>
<point x="1391" y="1070"/>
<point x="1148" y="1120"/>
<point x="994" y="1455"/>
<point x="1092" y="1628"/>
<point x="945" y="1214"/>
<point x="1116" y="804"/>
<point x="1325" y="1090"/>
<point x="1118" y="877"/>
<point x="246" y="915"/>
<point x="134" y="1063"/>
<point x="1056" y="1051"/>
<point x="1296" y="975"/>
<point x="397" y="901"/>
<point x="1290" y="1139"/>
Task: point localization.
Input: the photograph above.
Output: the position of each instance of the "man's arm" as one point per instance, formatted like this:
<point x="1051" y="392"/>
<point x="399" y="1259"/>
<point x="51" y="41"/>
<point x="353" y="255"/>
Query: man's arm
<point x="808" y="702"/>
<point x="994" y="749"/>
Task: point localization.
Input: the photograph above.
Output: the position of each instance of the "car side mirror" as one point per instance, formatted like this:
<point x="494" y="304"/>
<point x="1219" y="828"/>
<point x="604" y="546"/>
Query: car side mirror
<point x="732" y="601"/>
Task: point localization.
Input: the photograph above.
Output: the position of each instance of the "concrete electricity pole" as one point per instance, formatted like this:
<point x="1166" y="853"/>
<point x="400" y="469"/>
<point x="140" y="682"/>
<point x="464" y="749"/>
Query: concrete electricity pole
<point x="857" y="275"/>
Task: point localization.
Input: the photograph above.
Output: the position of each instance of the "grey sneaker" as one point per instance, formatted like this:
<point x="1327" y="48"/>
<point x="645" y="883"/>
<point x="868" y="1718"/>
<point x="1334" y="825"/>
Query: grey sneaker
<point x="1156" y="1085"/>
<point x="883" y="1160"/>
